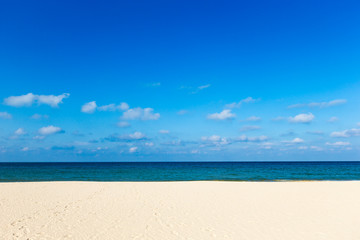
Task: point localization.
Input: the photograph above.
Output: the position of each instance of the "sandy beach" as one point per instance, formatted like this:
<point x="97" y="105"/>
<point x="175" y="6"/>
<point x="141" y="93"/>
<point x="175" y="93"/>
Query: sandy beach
<point x="180" y="210"/>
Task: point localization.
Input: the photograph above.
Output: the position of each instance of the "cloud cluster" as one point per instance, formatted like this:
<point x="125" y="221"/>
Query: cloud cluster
<point x="182" y="112"/>
<point x="154" y="84"/>
<point x="200" y="88"/>
<point x="140" y="114"/>
<point x="238" y="104"/>
<point x="244" y="138"/>
<point x="346" y="133"/>
<point x="136" y="136"/>
<point x="39" y="116"/>
<point x="20" y="132"/>
<point x="91" y="107"/>
<point x="194" y="90"/>
<point x="123" y="124"/>
<point x="253" y="119"/>
<point x="249" y="128"/>
<point x="333" y="119"/>
<point x="295" y="141"/>
<point x="216" y="140"/>
<point x="277" y="119"/>
<point x="320" y="104"/>
<point x="302" y="118"/>
<point x="163" y="131"/>
<point x="133" y="149"/>
<point x="315" y="148"/>
<point x="316" y="132"/>
<point x="112" y="107"/>
<point x="128" y="114"/>
<point x="5" y="115"/>
<point x="338" y="143"/>
<point x="49" y="130"/>
<point x="226" y="114"/>
<point x="29" y="99"/>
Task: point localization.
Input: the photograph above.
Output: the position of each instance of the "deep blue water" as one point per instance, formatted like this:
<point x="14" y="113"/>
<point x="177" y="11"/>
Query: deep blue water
<point x="179" y="171"/>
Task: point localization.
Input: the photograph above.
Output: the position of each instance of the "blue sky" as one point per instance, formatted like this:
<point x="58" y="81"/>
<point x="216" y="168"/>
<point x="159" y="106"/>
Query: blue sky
<point x="179" y="80"/>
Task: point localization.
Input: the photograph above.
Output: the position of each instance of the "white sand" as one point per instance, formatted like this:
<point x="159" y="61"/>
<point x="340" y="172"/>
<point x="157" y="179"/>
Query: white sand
<point x="180" y="210"/>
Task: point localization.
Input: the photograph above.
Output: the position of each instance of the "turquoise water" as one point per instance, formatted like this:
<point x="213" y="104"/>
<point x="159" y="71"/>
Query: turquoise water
<point x="179" y="171"/>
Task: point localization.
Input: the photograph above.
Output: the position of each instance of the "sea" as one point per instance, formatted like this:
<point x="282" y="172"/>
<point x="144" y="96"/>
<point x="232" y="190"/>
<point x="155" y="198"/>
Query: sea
<point x="180" y="171"/>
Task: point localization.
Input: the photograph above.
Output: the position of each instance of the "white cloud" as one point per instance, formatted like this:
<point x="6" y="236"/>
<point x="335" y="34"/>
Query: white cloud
<point x="19" y="101"/>
<point x="204" y="86"/>
<point x="320" y="104"/>
<point x="39" y="116"/>
<point x="131" y="114"/>
<point x="316" y="148"/>
<point x="182" y="112"/>
<point x="215" y="139"/>
<point x="51" y="100"/>
<point x="164" y="131"/>
<point x="249" y="128"/>
<point x="123" y="106"/>
<point x="149" y="144"/>
<point x="224" y="115"/>
<point x="279" y="118"/>
<point x="244" y="138"/>
<point x="238" y="104"/>
<point x="267" y="145"/>
<point x="295" y="140"/>
<point x="253" y="119"/>
<point x="303" y="147"/>
<point x="113" y="107"/>
<point x="137" y="135"/>
<point x="133" y="149"/>
<point x="25" y="149"/>
<point x="328" y="104"/>
<point x="29" y="99"/>
<point x="194" y="90"/>
<point x="109" y="107"/>
<point x="5" y="115"/>
<point x="38" y="137"/>
<point x="133" y="137"/>
<point x="333" y="119"/>
<point x="199" y="88"/>
<point x="89" y="107"/>
<point x="49" y="130"/>
<point x="316" y="132"/>
<point x="302" y="118"/>
<point x="155" y="84"/>
<point x="123" y="124"/>
<point x="338" y="143"/>
<point x="141" y="114"/>
<point x="298" y="105"/>
<point x="346" y="133"/>
<point x="20" y="132"/>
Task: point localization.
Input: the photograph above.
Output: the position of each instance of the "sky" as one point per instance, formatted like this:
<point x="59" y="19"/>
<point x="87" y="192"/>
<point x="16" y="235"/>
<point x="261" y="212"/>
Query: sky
<point x="179" y="81"/>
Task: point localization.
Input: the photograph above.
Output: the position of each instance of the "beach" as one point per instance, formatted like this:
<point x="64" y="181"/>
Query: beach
<point x="180" y="210"/>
